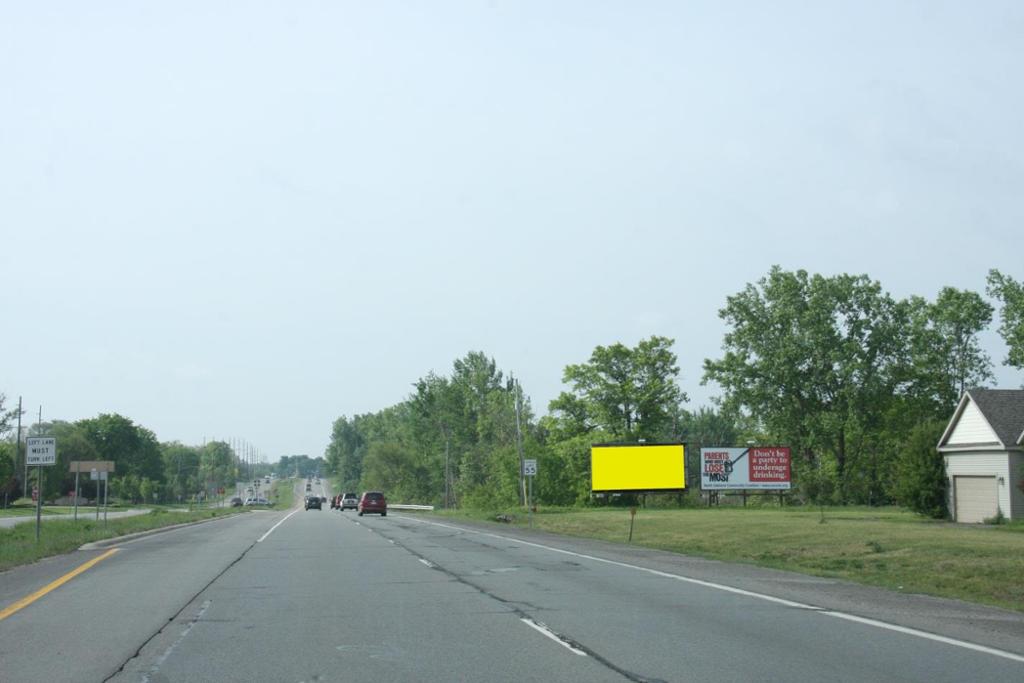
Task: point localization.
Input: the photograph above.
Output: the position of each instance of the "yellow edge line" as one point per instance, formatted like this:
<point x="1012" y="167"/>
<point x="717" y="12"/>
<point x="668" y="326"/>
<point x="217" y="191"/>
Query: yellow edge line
<point x="29" y="599"/>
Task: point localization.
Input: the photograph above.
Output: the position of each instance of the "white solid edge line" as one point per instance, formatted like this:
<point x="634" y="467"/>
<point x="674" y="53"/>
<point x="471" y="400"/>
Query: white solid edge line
<point x="924" y="634"/>
<point x="548" y="633"/>
<point x="426" y="562"/>
<point x="760" y="596"/>
<point x="282" y="521"/>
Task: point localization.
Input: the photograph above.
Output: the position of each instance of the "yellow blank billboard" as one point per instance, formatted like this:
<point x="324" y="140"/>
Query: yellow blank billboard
<point x="648" y="467"/>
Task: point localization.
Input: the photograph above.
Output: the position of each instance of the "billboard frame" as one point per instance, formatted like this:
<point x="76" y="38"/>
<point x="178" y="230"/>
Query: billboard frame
<point x="619" y="444"/>
<point x="739" y="486"/>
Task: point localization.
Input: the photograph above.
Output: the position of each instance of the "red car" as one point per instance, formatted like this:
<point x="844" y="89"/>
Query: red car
<point x="373" y="502"/>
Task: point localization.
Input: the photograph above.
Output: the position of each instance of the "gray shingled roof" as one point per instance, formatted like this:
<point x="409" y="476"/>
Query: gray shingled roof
<point x="1004" y="410"/>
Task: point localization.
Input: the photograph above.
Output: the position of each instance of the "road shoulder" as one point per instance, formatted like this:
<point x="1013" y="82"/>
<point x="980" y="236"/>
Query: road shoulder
<point x="990" y="626"/>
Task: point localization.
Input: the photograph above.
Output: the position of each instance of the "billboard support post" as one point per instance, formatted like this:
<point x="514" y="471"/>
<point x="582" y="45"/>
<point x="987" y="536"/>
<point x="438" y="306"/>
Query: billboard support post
<point x="39" y="500"/>
<point x="632" y="516"/>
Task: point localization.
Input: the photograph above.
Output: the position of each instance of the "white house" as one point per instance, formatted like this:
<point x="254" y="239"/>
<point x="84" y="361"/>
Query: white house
<point x="983" y="447"/>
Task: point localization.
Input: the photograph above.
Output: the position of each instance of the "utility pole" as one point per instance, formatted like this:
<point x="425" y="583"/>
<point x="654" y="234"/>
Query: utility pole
<point x="519" y="441"/>
<point x="39" y="480"/>
<point x="17" y="453"/>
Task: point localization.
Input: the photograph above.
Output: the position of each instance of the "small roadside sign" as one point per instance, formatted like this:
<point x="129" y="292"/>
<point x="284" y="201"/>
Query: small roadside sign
<point x="42" y="450"/>
<point x="92" y="465"/>
<point x="530" y="468"/>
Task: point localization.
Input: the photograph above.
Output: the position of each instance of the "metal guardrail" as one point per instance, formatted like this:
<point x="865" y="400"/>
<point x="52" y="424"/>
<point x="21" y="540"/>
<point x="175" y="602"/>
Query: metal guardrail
<point x="401" y="506"/>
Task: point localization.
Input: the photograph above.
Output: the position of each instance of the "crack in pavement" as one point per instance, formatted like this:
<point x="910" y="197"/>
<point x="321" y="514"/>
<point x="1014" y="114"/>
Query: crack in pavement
<point x="513" y="606"/>
<point x="147" y="641"/>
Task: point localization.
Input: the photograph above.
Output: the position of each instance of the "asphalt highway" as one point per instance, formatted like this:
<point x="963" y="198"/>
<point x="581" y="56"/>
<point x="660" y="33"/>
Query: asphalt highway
<point x="329" y="596"/>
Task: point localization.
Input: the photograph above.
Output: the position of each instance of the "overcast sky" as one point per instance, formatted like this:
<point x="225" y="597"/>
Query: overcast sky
<point x="247" y="219"/>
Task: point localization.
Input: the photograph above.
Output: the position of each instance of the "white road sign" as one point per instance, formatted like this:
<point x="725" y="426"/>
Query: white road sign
<point x="42" y="450"/>
<point x="530" y="468"/>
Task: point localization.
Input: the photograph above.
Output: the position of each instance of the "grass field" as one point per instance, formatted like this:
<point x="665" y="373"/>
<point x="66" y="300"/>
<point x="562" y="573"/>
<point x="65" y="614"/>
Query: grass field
<point x="30" y="511"/>
<point x="283" y="493"/>
<point x="18" y="545"/>
<point x="879" y="546"/>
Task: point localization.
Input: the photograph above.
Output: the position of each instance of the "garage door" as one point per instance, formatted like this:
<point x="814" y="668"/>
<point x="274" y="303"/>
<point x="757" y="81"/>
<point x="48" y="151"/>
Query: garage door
<point x="976" y="498"/>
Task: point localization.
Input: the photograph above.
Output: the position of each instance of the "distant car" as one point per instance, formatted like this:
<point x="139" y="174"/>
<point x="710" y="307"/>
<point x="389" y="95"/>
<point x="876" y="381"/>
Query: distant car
<point x="323" y="499"/>
<point x="309" y="487"/>
<point x="373" y="502"/>
<point x="313" y="502"/>
<point x="349" y="501"/>
<point x="236" y="502"/>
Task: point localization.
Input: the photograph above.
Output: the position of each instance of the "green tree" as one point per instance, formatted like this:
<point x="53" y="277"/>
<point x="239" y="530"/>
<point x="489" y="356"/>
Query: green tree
<point x="707" y="427"/>
<point x="148" y="490"/>
<point x="946" y="355"/>
<point x="457" y="434"/>
<point x="394" y="468"/>
<point x="125" y="487"/>
<point x="217" y="465"/>
<point x="302" y="465"/>
<point x="627" y="392"/>
<point x="1011" y="295"/>
<point x="7" y="416"/>
<point x="72" y="444"/>
<point x="711" y="427"/>
<point x="8" y="480"/>
<point x="921" y="483"/>
<point x="345" y="452"/>
<point x="181" y="470"/>
<point x="563" y="462"/>
<point x="817" y="359"/>
<point x="133" y="448"/>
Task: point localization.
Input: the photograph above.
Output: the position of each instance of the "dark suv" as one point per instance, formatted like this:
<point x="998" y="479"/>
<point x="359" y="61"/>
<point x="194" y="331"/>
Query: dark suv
<point x="373" y="501"/>
<point x="313" y="502"/>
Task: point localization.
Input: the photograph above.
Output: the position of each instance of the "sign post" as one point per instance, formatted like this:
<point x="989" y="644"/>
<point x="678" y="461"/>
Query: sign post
<point x="94" y="474"/>
<point x="529" y="471"/>
<point x="41" y="452"/>
<point x="98" y="470"/>
<point x="106" y="485"/>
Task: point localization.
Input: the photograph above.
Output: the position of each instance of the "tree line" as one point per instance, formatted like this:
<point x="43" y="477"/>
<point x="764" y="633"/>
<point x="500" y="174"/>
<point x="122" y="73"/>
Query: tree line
<point x="147" y="470"/>
<point x="858" y="383"/>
